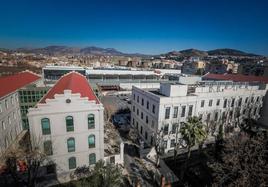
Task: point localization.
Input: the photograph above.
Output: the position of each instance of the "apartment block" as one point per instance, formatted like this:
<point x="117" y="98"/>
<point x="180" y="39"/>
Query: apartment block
<point x="162" y="110"/>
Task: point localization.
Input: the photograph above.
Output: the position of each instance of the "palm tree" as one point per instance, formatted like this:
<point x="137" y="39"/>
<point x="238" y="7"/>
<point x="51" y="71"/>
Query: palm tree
<point x="108" y="175"/>
<point x="193" y="133"/>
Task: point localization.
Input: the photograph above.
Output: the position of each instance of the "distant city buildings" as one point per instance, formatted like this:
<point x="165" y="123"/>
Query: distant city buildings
<point x="194" y="67"/>
<point x="255" y="69"/>
<point x="221" y="66"/>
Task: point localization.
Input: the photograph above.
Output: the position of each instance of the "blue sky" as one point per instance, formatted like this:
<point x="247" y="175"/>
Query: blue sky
<point x="144" y="26"/>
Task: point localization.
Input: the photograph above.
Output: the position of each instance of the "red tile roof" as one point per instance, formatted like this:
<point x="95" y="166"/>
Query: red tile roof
<point x="9" y="84"/>
<point x="73" y="81"/>
<point x="236" y="77"/>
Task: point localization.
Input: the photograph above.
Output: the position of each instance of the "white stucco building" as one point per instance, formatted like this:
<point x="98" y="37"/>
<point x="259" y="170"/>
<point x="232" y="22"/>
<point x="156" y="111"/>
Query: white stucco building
<point x="264" y="112"/>
<point x="68" y="125"/>
<point x="10" y="117"/>
<point x="161" y="110"/>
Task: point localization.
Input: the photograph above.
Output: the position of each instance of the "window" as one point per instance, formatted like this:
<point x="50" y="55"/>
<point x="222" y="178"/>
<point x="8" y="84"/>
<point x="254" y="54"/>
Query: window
<point x="92" y="158"/>
<point x="137" y="125"/>
<point x="134" y="96"/>
<point x="225" y="103"/>
<point x="252" y="99"/>
<point x="71" y="145"/>
<point x="190" y="112"/>
<point x="146" y="135"/>
<point x="218" y="102"/>
<point x="223" y="116"/>
<point x="91" y="121"/>
<point x="216" y="116"/>
<point x="147" y="105"/>
<point x="210" y="102"/>
<point x="141" y="115"/>
<point x="6" y="103"/>
<point x="147" y="120"/>
<point x="208" y="117"/>
<point x="202" y="103"/>
<point x="91" y="141"/>
<point x="152" y="124"/>
<point x="165" y="129"/>
<point x="237" y="113"/>
<point x="240" y="102"/>
<point x="69" y="123"/>
<point x="141" y="129"/>
<point x="142" y="101"/>
<point x="167" y="113"/>
<point x="175" y="112"/>
<point x="231" y="114"/>
<point x="48" y="147"/>
<point x="183" y="108"/>
<point x="154" y="109"/>
<point x="246" y="100"/>
<point x="233" y="102"/>
<point x="255" y="111"/>
<point x="72" y="163"/>
<point x="172" y="143"/>
<point x="174" y="127"/>
<point x="138" y="99"/>
<point x="152" y="140"/>
<point x="45" y="126"/>
<point x="138" y="112"/>
<point x="133" y="108"/>
<point x="201" y="117"/>
<point x="257" y="99"/>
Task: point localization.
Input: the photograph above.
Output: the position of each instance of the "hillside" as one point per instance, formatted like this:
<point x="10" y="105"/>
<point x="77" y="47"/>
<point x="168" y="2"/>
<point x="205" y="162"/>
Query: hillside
<point x="64" y="50"/>
<point x="92" y="50"/>
<point x="229" y="52"/>
<point x="193" y="52"/>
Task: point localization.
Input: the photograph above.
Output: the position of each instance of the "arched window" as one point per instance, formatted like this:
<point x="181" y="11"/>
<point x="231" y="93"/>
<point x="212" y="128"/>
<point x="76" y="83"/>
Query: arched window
<point x="69" y="123"/>
<point x="92" y="158"/>
<point x="48" y="147"/>
<point x="72" y="163"/>
<point x="91" y="141"/>
<point x="45" y="126"/>
<point x="91" y="121"/>
<point x="71" y="145"/>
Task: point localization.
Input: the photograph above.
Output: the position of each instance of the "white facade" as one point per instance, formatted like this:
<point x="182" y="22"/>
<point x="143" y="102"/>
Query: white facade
<point x="264" y="113"/>
<point x="163" y="109"/>
<point x="56" y="110"/>
<point x="10" y="120"/>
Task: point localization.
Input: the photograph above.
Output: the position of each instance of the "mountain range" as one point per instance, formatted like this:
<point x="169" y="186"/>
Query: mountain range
<point x="215" y="52"/>
<point x="64" y="50"/>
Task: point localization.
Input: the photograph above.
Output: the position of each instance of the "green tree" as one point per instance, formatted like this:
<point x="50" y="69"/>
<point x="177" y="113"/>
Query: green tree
<point x="101" y="175"/>
<point x="193" y="133"/>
